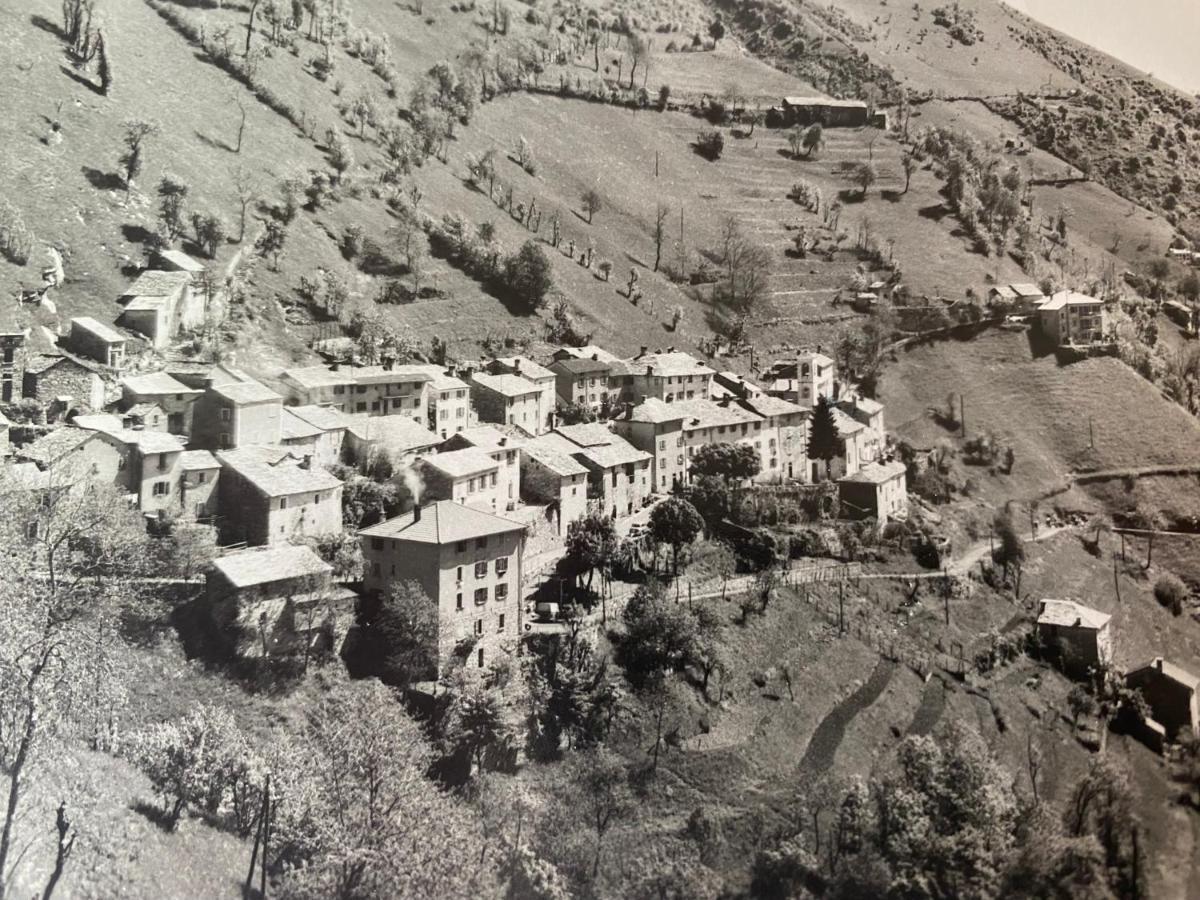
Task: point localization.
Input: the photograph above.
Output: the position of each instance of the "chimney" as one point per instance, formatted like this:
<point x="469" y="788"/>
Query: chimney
<point x="417" y="513"/>
<point x="335" y="365"/>
<point x="670" y="349"/>
<point x="306" y="463"/>
<point x="596" y="356"/>
<point x="643" y="351"/>
<point x="1158" y="663"/>
<point x="504" y="441"/>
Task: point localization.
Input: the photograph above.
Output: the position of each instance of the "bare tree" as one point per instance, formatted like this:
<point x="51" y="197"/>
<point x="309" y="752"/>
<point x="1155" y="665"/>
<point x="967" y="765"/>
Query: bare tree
<point x="591" y="203"/>
<point x="660" y="232"/>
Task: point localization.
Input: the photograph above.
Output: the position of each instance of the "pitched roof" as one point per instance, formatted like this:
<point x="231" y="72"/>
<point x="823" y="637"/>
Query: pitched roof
<point x="1068" y="298"/>
<point x="619" y="453"/>
<point x="587" y="351"/>
<point x="97" y="328"/>
<point x="311" y="377"/>
<point x="321" y="417"/>
<point x="276" y="471"/>
<point x="141" y="410"/>
<point x="588" y="434"/>
<point x="38" y="364"/>
<point x="153" y="283"/>
<point x="182" y="260"/>
<point x="246" y="392"/>
<point x="1071" y="614"/>
<point x="1024" y="289"/>
<point x="262" y="566"/>
<point x="152" y="441"/>
<point x="506" y="385"/>
<point x="660" y="365"/>
<point x="552" y="456"/>
<point x="105" y="422"/>
<point x="711" y="414"/>
<point x="1169" y="670"/>
<point x="442" y="380"/>
<point x="825" y="101"/>
<point x="656" y="411"/>
<point x="386" y="375"/>
<point x="523" y="366"/>
<point x="54" y="445"/>
<point x="156" y="383"/>
<point x="460" y="463"/>
<point x="489" y="437"/>
<point x="294" y="428"/>
<point x="816" y="358"/>
<point x="399" y="434"/>
<point x="846" y="425"/>
<point x="766" y="405"/>
<point x="194" y="460"/>
<point x="443" y="522"/>
<point x="877" y="473"/>
<point x="581" y="365"/>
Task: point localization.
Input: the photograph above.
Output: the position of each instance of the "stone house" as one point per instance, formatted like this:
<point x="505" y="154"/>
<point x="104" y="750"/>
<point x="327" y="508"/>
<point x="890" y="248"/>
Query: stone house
<point x="278" y="497"/>
<point x="96" y="341"/>
<point x="238" y="414"/>
<point x="504" y="445"/>
<point x="278" y="601"/>
<point x="878" y="490"/>
<point x="552" y="476"/>
<point x="199" y="493"/>
<point x="1069" y="317"/>
<point x="1171" y="694"/>
<point x="334" y="428"/>
<point x="12" y="365"/>
<point x="1078" y="636"/>
<point x="669" y="376"/>
<point x="657" y="428"/>
<point x="449" y="400"/>
<point x="70" y="454"/>
<point x="468" y="562"/>
<point x="51" y="377"/>
<point x="507" y="400"/>
<point x="467" y="476"/>
<point x="543" y="378"/>
<point x="172" y="396"/>
<point x="402" y="439"/>
<point x="582" y="381"/>
<point x="158" y="304"/>
<point x="618" y="473"/>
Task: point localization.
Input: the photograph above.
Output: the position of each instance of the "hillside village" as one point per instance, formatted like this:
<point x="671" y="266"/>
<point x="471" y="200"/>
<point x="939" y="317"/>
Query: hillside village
<point x="706" y="449"/>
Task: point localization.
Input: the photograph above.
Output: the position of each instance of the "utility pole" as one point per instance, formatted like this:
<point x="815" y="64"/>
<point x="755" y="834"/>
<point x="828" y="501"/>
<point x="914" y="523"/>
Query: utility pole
<point x="841" y="607"/>
<point x="946" y="591"/>
<point x="1091" y="434"/>
<point x="655" y="163"/>
<point x="1116" y="580"/>
<point x="962" y="415"/>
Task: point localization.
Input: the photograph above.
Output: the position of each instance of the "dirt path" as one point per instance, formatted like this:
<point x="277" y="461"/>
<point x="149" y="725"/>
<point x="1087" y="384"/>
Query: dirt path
<point x="824" y="743"/>
<point x="933" y="704"/>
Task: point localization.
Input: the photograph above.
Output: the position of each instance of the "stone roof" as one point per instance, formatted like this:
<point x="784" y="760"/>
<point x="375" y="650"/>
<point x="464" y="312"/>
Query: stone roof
<point x="182" y="260"/>
<point x="1169" y="670"/>
<point x="154" y="283"/>
<point x="441" y="379"/>
<point x="262" y="566"/>
<point x="490" y="437"/>
<point x="846" y="425"/>
<point x="1070" y="614"/>
<point x="587" y="351"/>
<point x="460" y="463"/>
<point x="156" y="383"/>
<point x="276" y="471"/>
<point x="98" y="328"/>
<point x="588" y="434"/>
<point x="581" y="366"/>
<point x="246" y="392"/>
<point x="506" y="385"/>
<point x="766" y="405"/>
<point x="877" y="473"/>
<point x="671" y="364"/>
<point x="711" y="414"/>
<point x="321" y="417"/>
<point x="317" y="376"/>
<point x="195" y="460"/>
<point x="53" y="446"/>
<point x="105" y="422"/>
<point x="294" y="428"/>
<point x="552" y="456"/>
<point x="825" y="101"/>
<point x="1068" y="298"/>
<point x="443" y="522"/>
<point x="656" y="412"/>
<point x="523" y="366"/>
<point x="386" y="375"/>
<point x="399" y="434"/>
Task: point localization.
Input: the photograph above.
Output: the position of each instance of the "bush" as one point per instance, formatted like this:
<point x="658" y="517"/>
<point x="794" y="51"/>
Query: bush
<point x="710" y="144"/>
<point x="1171" y="592"/>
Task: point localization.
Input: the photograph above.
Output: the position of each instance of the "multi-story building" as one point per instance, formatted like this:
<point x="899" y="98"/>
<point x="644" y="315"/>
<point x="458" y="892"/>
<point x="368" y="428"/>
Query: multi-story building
<point x="722" y="422"/>
<point x="657" y="428"/>
<point x="815" y="377"/>
<point x="158" y="304"/>
<point x="400" y="438"/>
<point x="1069" y="317"/>
<point x="269" y="496"/>
<point x="172" y="396"/>
<point x="464" y="476"/>
<point x="385" y="390"/>
<point x="449" y="400"/>
<point x="334" y="427"/>
<point x="504" y="445"/>
<point x="878" y="490"/>
<point x="668" y="376"/>
<point x="320" y="386"/>
<point x="198" y="488"/>
<point x="552" y="476"/>
<point x="618" y="473"/>
<point x="507" y="400"/>
<point x="582" y="381"/>
<point x="469" y="564"/>
<point x="783" y="451"/>
<point x="237" y="414"/>
<point x="545" y="380"/>
<point x="12" y="365"/>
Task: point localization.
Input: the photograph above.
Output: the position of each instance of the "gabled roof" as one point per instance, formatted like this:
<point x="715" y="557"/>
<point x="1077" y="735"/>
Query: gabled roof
<point x="443" y="522"/>
<point x="1068" y="298"/>
<point x="1068" y="613"/>
<point x="195" y="460"/>
<point x="321" y="417"/>
<point x="877" y="473"/>
<point x="311" y="377"/>
<point x="488" y="437"/>
<point x="711" y="414"/>
<point x="182" y="260"/>
<point x="655" y="411"/>
<point x="588" y="434"/>
<point x="608" y="456"/>
<point x="294" y="428"/>
<point x="670" y="364"/>
<point x="460" y="463"/>
<point x="506" y="385"/>
<point x="149" y="442"/>
<point x="262" y="566"/>
<point x="42" y="362"/>
<point x="824" y="101"/>
<point x="441" y="379"/>
<point x="846" y="425"/>
<point x="388" y="375"/>
<point x="51" y="447"/>
<point x="276" y="471"/>
<point x="523" y="366"/>
<point x="576" y="366"/>
<point x="765" y="405"/>
<point x="141" y="410"/>
<point x="1024" y="289"/>
<point x="1167" y="670"/>
<point x="156" y="383"/>
<point x="587" y="351"/>
<point x="105" y="422"/>
<point x="245" y="393"/>
<point x="98" y="329"/>
<point x="399" y="434"/>
<point x="154" y="283"/>
<point x="552" y="456"/>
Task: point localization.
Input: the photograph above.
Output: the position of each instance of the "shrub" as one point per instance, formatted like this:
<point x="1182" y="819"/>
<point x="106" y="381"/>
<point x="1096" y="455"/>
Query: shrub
<point x="1171" y="592"/>
<point x="710" y="144"/>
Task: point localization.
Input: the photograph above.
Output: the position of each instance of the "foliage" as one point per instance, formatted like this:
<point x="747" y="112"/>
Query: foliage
<point x="676" y="522"/>
<point x="399" y="639"/>
<point x="710" y="144"/>
<point x="1171" y="592"/>
<point x="823" y="440"/>
<point x="746" y="265"/>
<point x="590" y="543"/>
<point x="665" y="636"/>
<point x="528" y="275"/>
<point x="729" y="462"/>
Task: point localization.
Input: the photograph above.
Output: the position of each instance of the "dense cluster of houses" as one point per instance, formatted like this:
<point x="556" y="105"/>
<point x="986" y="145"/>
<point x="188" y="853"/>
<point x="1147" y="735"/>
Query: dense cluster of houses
<point x="478" y="446"/>
<point x="1080" y="639"/>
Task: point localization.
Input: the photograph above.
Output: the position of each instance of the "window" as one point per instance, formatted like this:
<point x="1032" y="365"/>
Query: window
<point x="339" y="389"/>
<point x="471" y="486"/>
<point x="460" y="394"/>
<point x="459" y="575"/>
<point x="479" y="626"/>
<point x="480" y="543"/>
<point x="480" y="596"/>
<point x="458" y="413"/>
<point x="397" y="403"/>
<point x="502" y="592"/>
<point x="376" y="543"/>
<point x="375" y="405"/>
<point x="480" y="655"/>
<point x="663" y="462"/>
<point x="224" y="440"/>
<point x="502" y="565"/>
<point x="225" y="414"/>
<point x="360" y="389"/>
<point x="614" y="477"/>
<point x="481" y="569"/>
<point x="443" y="414"/>
<point x="162" y="462"/>
<point x="162" y="488"/>
<point x="201" y="477"/>
<point x="374" y="566"/>
<point x="458" y="601"/>
<point x="500" y="623"/>
<point x="462" y="546"/>
<point x="493" y="479"/>
<point x="360" y="406"/>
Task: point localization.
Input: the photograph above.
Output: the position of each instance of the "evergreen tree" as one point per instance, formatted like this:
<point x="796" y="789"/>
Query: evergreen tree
<point x="823" y="441"/>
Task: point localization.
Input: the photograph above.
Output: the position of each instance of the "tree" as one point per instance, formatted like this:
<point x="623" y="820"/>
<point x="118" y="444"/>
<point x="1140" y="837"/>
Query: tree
<point x="136" y="132"/>
<point x="172" y="194"/>
<point x="247" y="194"/>
<point x="270" y="242"/>
<point x="476" y="724"/>
<point x="590" y="199"/>
<point x="864" y="175"/>
<point x="823" y="440"/>
<point x="716" y="30"/>
<point x="746" y="265"/>
<point x="250" y="24"/>
<point x="660" y="232"/>
<point x="910" y="164"/>
<point x="104" y="67"/>
<point x="814" y="138"/>
<point x="528" y="276"/>
<point x="400" y="637"/>
<point x="210" y="233"/>
<point x="1011" y="552"/>
<point x="729" y="462"/>
<point x="603" y="794"/>
<point x="590" y="543"/>
<point x="675" y="522"/>
<point x="364" y="110"/>
<point x="341" y="157"/>
<point x="710" y="144"/>
<point x="1171" y="592"/>
<point x="795" y="139"/>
